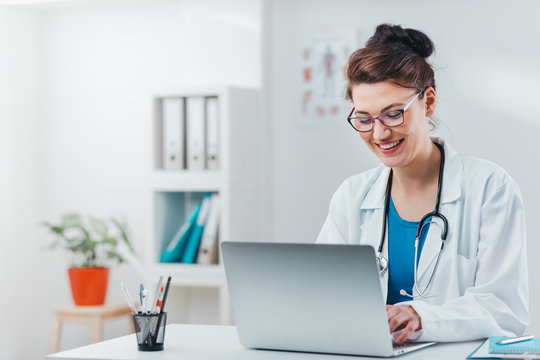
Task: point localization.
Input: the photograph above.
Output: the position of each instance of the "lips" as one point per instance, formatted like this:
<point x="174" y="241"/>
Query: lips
<point x="388" y="147"/>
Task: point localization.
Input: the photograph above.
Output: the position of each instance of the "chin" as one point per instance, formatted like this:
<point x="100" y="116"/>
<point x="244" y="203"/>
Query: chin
<point x="391" y="161"/>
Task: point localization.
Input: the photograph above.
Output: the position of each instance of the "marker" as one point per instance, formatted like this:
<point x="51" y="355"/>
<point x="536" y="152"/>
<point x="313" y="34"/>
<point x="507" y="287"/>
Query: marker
<point x="154" y="300"/>
<point x="515" y="340"/>
<point x="159" y="301"/>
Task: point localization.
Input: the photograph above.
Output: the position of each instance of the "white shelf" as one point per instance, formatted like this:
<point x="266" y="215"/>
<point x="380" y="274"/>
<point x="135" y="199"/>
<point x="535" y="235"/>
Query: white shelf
<point x="176" y="192"/>
<point x="163" y="180"/>
<point x="192" y="275"/>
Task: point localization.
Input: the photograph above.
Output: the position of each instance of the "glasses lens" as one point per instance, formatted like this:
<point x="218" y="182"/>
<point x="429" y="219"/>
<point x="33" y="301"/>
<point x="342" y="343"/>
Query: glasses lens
<point x="362" y="123"/>
<point x="392" y="118"/>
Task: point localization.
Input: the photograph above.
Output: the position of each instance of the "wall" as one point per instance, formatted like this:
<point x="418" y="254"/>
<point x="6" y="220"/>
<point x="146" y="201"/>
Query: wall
<point x="19" y="142"/>
<point x="92" y="67"/>
<point x="487" y="73"/>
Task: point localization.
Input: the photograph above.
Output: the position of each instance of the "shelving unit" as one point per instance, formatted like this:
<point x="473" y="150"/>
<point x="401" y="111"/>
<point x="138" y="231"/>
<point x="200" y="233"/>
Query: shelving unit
<point x="237" y="182"/>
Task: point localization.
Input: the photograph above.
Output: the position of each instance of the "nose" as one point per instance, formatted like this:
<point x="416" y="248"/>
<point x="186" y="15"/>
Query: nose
<point x="380" y="131"/>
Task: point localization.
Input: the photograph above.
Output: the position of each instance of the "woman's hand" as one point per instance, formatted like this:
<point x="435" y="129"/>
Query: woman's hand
<point x="403" y="318"/>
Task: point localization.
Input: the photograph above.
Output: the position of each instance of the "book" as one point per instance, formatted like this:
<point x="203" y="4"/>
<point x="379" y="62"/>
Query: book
<point x="192" y="248"/>
<point x="175" y="249"/>
<point x="208" y="251"/>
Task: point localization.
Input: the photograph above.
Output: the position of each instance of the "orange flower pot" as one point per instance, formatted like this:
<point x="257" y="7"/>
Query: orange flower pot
<point x="88" y="285"/>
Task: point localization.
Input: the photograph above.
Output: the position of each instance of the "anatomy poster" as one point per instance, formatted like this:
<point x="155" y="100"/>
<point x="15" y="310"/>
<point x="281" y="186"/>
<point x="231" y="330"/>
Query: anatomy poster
<point x="320" y="76"/>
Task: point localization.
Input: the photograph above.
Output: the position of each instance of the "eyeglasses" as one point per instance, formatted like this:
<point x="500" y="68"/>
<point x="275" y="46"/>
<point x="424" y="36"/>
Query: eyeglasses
<point x="389" y="118"/>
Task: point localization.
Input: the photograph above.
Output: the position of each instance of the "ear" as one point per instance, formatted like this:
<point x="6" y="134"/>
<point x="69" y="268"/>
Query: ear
<point x="430" y="100"/>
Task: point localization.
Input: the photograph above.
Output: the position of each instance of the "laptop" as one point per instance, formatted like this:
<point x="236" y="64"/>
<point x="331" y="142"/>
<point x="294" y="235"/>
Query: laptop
<point x="321" y="298"/>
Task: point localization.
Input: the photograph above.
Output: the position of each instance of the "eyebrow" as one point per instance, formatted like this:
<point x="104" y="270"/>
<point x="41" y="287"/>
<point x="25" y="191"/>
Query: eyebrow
<point x="382" y="111"/>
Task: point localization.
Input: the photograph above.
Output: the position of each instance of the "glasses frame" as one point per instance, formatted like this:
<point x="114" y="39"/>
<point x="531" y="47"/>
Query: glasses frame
<point x="351" y="118"/>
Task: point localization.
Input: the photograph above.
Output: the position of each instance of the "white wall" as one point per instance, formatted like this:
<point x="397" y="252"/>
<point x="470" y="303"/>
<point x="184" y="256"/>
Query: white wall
<point x="76" y="131"/>
<point x="19" y="141"/>
<point x="487" y="72"/>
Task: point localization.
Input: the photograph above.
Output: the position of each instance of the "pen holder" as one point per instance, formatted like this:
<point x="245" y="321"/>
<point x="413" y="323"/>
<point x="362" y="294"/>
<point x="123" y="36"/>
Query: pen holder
<point x="150" y="331"/>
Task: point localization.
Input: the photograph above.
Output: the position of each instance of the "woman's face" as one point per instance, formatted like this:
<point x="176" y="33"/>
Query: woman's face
<point x="400" y="145"/>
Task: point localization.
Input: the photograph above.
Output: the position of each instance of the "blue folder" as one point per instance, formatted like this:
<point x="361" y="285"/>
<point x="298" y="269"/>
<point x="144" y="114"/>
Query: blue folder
<point x="175" y="249"/>
<point x="192" y="247"/>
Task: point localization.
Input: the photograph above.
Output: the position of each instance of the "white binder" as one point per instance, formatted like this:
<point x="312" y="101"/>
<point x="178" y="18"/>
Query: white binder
<point x="196" y="133"/>
<point x="212" y="133"/>
<point x="208" y="250"/>
<point x="173" y="133"/>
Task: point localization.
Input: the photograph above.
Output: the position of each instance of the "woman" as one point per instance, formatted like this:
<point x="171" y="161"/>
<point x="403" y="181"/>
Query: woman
<point x="467" y="278"/>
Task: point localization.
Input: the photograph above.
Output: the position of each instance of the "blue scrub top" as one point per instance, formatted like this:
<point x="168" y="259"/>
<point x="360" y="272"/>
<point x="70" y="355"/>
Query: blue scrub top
<point x="401" y="237"/>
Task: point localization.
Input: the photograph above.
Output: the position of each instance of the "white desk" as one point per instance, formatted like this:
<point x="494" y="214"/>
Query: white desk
<point x="188" y="342"/>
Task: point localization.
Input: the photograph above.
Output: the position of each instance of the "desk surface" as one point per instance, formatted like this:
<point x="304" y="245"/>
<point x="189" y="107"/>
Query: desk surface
<point x="187" y="342"/>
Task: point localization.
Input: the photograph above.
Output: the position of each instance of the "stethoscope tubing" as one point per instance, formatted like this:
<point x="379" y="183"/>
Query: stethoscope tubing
<point x="426" y="219"/>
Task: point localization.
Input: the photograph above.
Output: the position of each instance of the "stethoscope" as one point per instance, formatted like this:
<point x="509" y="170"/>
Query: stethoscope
<point x="382" y="262"/>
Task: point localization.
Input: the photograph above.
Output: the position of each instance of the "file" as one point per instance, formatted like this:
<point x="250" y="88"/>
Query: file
<point x="175" y="250"/>
<point x="192" y="247"/>
<point x="173" y="133"/>
<point x="208" y="251"/>
<point x="212" y="133"/>
<point x="196" y="133"/>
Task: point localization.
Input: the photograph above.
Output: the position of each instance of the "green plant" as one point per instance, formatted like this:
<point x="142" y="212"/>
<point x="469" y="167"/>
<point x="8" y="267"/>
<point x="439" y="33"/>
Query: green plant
<point x="98" y="244"/>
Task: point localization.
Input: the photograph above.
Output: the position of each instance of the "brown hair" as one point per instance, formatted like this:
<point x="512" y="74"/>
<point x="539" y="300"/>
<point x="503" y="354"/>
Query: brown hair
<point x="392" y="54"/>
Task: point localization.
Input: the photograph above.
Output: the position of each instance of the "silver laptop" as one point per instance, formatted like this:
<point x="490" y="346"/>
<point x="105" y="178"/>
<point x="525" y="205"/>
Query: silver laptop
<point x="309" y="297"/>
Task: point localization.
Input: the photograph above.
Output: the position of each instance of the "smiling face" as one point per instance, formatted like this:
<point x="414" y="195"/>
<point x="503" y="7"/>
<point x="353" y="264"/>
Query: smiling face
<point x="402" y="145"/>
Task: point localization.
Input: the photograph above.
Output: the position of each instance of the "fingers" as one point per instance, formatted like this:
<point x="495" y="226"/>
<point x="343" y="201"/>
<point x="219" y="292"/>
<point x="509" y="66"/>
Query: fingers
<point x="392" y="311"/>
<point x="409" y="329"/>
<point x="403" y="317"/>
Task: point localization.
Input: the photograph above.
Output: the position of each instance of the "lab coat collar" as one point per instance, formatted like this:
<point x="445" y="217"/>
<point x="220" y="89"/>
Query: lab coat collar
<point x="451" y="185"/>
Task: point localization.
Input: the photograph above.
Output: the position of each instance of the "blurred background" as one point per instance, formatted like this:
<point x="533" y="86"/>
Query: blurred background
<point x="76" y="88"/>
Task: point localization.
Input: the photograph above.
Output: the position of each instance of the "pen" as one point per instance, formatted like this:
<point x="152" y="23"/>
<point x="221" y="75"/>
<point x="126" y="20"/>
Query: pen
<point x="141" y="288"/>
<point x="166" y="292"/>
<point x="144" y="302"/>
<point x="128" y="298"/>
<point x="515" y="340"/>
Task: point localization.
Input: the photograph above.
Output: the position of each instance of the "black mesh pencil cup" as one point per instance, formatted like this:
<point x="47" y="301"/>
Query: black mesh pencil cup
<point x="150" y="331"/>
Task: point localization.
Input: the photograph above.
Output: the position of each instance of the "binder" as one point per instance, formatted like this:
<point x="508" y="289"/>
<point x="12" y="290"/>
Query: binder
<point x="174" y="251"/>
<point x="196" y="133"/>
<point x="208" y="251"/>
<point x="173" y="133"/>
<point x="212" y="133"/>
<point x="192" y="247"/>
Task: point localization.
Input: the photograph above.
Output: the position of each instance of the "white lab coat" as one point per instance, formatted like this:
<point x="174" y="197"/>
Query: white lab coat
<point x="481" y="280"/>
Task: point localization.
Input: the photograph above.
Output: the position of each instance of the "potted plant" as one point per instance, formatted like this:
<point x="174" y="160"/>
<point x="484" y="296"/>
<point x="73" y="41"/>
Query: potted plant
<point x="92" y="247"/>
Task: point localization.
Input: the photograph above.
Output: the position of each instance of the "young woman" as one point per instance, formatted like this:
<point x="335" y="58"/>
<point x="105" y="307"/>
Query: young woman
<point x="448" y="229"/>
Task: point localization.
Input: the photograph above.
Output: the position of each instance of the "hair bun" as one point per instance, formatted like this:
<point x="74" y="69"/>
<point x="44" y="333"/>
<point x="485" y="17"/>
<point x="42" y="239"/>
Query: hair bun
<point x="397" y="38"/>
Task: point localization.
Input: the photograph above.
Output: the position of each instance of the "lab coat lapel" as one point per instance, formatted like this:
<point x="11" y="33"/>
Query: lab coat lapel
<point x="451" y="192"/>
<point x="371" y="228"/>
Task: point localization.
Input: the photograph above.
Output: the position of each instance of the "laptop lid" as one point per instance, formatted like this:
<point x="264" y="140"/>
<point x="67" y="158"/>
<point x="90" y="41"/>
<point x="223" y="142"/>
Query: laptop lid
<point x="307" y="297"/>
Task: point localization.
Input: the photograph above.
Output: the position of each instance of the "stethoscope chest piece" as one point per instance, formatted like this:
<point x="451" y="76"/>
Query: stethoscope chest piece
<point x="382" y="263"/>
